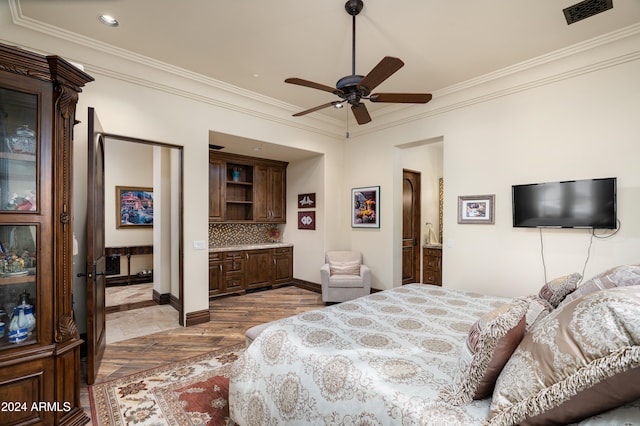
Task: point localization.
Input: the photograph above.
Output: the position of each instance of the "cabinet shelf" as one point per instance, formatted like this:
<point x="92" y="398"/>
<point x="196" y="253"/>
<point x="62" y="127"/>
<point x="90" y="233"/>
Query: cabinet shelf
<point x="239" y="202"/>
<point x="18" y="157"/>
<point x="243" y="183"/>
<point x="17" y="280"/>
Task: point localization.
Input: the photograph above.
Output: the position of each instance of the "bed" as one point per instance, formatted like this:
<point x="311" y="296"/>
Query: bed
<point x="390" y="358"/>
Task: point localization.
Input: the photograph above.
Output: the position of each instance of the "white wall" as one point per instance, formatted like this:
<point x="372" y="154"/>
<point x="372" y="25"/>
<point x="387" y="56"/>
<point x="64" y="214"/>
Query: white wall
<point x="572" y="119"/>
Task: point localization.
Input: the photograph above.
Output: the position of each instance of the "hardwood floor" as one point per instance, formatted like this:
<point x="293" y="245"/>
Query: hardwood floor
<point x="230" y="318"/>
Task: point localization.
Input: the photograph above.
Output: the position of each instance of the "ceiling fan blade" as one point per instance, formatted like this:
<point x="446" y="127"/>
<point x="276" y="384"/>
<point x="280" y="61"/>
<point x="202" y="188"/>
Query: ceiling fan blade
<point x="385" y="68"/>
<point x="307" y="83"/>
<point x="361" y="113"/>
<point x="401" y="98"/>
<point x="315" y="108"/>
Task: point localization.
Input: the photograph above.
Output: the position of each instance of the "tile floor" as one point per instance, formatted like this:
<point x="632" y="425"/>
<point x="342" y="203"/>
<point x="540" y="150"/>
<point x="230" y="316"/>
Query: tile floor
<point x="129" y="324"/>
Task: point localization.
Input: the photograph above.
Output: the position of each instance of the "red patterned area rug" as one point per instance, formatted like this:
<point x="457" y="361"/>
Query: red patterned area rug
<point x="189" y="392"/>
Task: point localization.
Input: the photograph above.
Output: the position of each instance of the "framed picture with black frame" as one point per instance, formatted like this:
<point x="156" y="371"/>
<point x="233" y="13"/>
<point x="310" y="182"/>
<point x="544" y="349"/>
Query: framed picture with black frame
<point x="365" y="207"/>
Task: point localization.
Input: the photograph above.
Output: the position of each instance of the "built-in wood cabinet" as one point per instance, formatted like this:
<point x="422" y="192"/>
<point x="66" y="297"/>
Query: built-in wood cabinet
<point x="432" y="265"/>
<point x="240" y="270"/>
<point x="246" y="189"/>
<point x="40" y="345"/>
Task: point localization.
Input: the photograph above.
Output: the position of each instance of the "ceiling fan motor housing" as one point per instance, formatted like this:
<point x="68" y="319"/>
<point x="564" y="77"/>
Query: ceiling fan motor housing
<point x="353" y="7"/>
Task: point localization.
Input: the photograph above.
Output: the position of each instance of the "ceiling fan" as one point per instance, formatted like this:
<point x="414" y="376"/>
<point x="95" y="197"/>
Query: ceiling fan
<point x="354" y="88"/>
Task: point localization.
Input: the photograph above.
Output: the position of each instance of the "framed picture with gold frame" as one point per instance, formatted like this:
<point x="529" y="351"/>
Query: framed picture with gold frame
<point x="134" y="207"/>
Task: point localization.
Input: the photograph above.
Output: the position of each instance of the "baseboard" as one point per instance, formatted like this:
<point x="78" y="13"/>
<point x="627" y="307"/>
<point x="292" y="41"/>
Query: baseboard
<point x="307" y="285"/>
<point x="198" y="317"/>
<point x="161" y="298"/>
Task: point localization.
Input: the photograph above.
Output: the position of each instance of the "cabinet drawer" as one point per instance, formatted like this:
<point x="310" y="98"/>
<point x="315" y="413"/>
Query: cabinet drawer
<point x="433" y="252"/>
<point x="432" y="263"/>
<point x="233" y="255"/>
<point x="283" y="250"/>
<point x="215" y="256"/>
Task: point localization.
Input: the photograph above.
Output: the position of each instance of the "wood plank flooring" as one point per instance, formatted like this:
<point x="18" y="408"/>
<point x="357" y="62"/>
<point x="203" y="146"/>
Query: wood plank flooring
<point x="230" y="318"/>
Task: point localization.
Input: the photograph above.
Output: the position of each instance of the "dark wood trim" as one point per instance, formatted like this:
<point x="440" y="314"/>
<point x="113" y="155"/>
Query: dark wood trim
<point x="174" y="301"/>
<point x="129" y="306"/>
<point x="307" y="285"/>
<point x="122" y="280"/>
<point x="198" y="317"/>
<point x="163" y="298"/>
<point x="317" y="288"/>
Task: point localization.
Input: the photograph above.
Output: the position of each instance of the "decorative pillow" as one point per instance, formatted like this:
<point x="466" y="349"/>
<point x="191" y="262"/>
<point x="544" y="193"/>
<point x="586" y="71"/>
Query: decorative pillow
<point x="556" y="290"/>
<point x="620" y="276"/>
<point x="582" y="359"/>
<point x="489" y="344"/>
<point x="344" y="268"/>
<point x="538" y="309"/>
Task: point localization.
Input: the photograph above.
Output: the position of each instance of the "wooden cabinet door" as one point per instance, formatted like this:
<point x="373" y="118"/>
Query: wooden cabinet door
<point x="270" y="196"/>
<point x="277" y="194"/>
<point x="282" y="265"/>
<point x="258" y="268"/>
<point x="216" y="278"/>
<point x="260" y="193"/>
<point x="217" y="174"/>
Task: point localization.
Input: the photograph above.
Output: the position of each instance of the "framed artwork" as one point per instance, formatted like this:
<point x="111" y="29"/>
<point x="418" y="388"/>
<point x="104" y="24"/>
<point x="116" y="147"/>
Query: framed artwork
<point x="365" y="207"/>
<point x="307" y="220"/>
<point x="476" y="209"/>
<point x="134" y="207"/>
<point x="307" y="201"/>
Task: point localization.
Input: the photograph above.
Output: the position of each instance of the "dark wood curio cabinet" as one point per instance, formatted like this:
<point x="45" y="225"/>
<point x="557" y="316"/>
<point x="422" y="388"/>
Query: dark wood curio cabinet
<point x="39" y="344"/>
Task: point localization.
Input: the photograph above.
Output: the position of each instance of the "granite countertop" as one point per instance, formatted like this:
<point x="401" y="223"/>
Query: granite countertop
<point x="434" y="246"/>
<point x="249" y="247"/>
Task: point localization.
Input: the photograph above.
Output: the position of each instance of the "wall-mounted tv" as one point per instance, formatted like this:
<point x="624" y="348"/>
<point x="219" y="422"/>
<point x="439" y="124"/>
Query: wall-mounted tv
<point x="588" y="203"/>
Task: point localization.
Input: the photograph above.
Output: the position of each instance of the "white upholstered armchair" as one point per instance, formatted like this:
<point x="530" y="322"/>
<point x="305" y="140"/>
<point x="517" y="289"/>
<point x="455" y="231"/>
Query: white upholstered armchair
<point x="344" y="277"/>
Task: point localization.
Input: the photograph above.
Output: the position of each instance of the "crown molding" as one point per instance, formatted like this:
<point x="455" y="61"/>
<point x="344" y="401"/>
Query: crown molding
<point x="319" y="123"/>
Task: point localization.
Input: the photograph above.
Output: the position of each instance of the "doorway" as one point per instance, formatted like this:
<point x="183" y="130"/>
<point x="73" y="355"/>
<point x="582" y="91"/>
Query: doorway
<point x="146" y="254"/>
<point x="159" y="205"/>
<point x="411" y="181"/>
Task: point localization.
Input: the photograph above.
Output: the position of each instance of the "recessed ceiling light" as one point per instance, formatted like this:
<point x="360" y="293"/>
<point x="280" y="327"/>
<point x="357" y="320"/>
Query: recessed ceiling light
<point x="108" y="20"/>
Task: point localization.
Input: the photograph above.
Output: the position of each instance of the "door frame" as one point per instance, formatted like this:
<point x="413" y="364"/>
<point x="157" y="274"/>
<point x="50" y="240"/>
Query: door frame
<point x="180" y="149"/>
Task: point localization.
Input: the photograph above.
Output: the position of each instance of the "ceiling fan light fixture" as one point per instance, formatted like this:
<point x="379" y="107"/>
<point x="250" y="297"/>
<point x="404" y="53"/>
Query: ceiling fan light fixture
<point x="354" y="88"/>
<point x="108" y="20"/>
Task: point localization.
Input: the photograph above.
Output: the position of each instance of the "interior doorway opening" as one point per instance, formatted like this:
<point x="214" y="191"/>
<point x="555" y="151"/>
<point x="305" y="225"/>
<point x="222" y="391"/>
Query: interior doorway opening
<point x="144" y="251"/>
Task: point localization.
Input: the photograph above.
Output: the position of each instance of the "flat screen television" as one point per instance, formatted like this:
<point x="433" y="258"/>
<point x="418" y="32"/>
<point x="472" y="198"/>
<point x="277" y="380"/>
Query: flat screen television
<point x="588" y="203"/>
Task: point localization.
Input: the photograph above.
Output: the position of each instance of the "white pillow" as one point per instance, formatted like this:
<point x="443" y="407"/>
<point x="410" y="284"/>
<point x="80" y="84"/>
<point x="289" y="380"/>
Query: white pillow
<point x="344" y="268"/>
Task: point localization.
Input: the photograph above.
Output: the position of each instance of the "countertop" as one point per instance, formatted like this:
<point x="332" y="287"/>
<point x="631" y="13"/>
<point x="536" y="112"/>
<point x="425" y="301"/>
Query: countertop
<point x="433" y="246"/>
<point x="249" y="247"/>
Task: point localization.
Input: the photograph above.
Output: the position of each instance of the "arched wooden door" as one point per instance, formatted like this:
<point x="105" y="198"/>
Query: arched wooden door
<point x="410" y="227"/>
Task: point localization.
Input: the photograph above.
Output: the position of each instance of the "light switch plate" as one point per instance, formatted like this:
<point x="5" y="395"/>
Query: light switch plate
<point x="199" y="245"/>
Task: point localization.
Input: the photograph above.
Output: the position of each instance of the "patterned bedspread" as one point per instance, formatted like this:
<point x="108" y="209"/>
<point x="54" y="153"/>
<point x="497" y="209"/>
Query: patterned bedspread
<point x="381" y="359"/>
<point x="378" y="360"/>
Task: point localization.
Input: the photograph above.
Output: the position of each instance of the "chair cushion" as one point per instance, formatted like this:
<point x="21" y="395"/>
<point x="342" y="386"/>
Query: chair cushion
<point x="344" y="267"/>
<point x="346" y="281"/>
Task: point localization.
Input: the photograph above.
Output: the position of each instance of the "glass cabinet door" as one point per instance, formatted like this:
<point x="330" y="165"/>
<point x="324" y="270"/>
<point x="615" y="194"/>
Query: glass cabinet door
<point x="18" y="151"/>
<point x="18" y="259"/>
